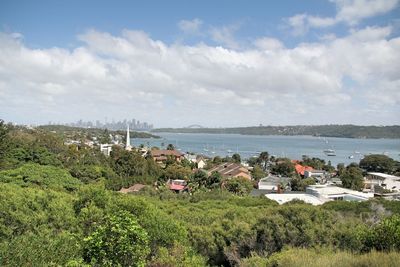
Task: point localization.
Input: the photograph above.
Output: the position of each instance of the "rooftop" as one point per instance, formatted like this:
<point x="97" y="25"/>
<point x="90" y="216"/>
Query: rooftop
<point x="286" y="197"/>
<point x="384" y="175"/>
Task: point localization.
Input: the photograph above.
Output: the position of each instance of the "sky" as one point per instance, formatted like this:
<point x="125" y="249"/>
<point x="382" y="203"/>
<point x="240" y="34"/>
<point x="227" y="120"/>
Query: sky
<point x="213" y="63"/>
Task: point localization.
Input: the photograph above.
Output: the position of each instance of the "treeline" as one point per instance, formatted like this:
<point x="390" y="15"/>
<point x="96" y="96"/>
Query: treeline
<point x="59" y="207"/>
<point x="79" y="131"/>
<point x="344" y="131"/>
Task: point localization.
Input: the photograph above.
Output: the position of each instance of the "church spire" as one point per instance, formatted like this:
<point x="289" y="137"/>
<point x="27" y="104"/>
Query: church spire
<point x="128" y="140"/>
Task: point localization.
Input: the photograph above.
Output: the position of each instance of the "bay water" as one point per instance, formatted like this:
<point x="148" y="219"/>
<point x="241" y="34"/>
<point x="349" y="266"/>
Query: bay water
<point x="294" y="147"/>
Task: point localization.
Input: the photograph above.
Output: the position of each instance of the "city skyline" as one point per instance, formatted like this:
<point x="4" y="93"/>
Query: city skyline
<point x="213" y="63"/>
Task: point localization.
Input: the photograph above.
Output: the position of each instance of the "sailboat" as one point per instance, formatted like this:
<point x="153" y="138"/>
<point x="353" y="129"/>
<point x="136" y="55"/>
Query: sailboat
<point x="329" y="151"/>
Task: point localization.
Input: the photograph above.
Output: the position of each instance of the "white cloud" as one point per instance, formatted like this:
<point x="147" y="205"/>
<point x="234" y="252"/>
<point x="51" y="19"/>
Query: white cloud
<point x="348" y="11"/>
<point x="225" y="35"/>
<point x="190" y="26"/>
<point x="133" y="75"/>
<point x="352" y="11"/>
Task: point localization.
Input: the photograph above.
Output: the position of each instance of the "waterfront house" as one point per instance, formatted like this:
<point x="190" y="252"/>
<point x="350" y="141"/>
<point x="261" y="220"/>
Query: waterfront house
<point x="300" y="169"/>
<point x="230" y="170"/>
<point x="319" y="175"/>
<point x="287" y="197"/>
<point x="331" y="192"/>
<point x="273" y="183"/>
<point x="375" y="180"/>
<point x="161" y="156"/>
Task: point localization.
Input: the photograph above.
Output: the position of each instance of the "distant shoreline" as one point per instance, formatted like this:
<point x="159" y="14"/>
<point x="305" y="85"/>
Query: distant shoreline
<point x="337" y="131"/>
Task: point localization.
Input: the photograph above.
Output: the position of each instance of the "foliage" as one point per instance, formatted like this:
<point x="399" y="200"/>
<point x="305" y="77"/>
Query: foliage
<point x="377" y="163"/>
<point x="239" y="185"/>
<point x="177" y="256"/>
<point x="119" y="241"/>
<point x="257" y="173"/>
<point x="176" y="171"/>
<point x="40" y="176"/>
<point x="170" y="147"/>
<point x="283" y="167"/>
<point x="323" y="257"/>
<point x="352" y="178"/>
<point x="236" y="158"/>
<point x="345" y="131"/>
<point x="298" y="184"/>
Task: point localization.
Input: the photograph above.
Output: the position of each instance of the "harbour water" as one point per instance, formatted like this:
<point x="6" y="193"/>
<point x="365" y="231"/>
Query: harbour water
<point x="347" y="150"/>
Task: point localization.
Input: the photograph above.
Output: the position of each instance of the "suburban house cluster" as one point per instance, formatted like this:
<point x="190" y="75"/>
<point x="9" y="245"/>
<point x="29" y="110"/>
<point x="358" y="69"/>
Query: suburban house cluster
<point x="327" y="188"/>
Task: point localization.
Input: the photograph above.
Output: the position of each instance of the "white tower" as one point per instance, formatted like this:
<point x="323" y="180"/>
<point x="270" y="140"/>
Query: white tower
<point x="128" y="140"/>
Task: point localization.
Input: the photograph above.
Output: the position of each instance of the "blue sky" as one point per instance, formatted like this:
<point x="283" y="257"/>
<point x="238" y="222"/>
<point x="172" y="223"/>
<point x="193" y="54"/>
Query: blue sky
<point x="206" y="62"/>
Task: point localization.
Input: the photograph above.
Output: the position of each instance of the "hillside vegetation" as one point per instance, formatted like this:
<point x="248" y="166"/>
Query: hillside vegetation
<point x="347" y="131"/>
<point x="59" y="207"/>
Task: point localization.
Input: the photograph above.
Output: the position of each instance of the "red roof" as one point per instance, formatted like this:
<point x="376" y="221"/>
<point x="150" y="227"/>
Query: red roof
<point x="300" y="169"/>
<point x="176" y="187"/>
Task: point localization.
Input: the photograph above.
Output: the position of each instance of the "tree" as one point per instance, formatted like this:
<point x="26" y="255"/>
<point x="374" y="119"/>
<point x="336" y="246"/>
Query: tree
<point x="284" y="167"/>
<point x="352" y="178"/>
<point x="4" y="142"/>
<point x="170" y="147"/>
<point x="377" y="163"/>
<point x="236" y="158"/>
<point x="215" y="179"/>
<point x="239" y="186"/>
<point x="263" y="159"/>
<point x="298" y="184"/>
<point x="257" y="173"/>
<point x="199" y="179"/>
<point x="176" y="171"/>
<point x="120" y="241"/>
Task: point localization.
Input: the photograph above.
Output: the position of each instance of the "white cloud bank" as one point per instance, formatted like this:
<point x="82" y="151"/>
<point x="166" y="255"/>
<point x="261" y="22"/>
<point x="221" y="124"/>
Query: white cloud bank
<point x="350" y="12"/>
<point x="343" y="80"/>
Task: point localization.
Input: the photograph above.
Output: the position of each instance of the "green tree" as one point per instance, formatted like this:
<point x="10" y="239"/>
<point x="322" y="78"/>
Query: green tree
<point x="263" y="159"/>
<point x="120" y="241"/>
<point x="176" y="171"/>
<point x="352" y="178"/>
<point x="386" y="234"/>
<point x="170" y="147"/>
<point x="377" y="163"/>
<point x="4" y="141"/>
<point x="257" y="173"/>
<point x="236" y="158"/>
<point x="239" y="186"/>
<point x="284" y="167"/>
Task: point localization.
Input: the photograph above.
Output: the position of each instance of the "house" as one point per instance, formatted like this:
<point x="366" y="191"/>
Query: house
<point x="373" y="180"/>
<point x="300" y="169"/>
<point x="177" y="185"/>
<point x="230" y="170"/>
<point x="319" y="175"/>
<point x="106" y="149"/>
<point x="272" y="183"/>
<point x="331" y="192"/>
<point x="201" y="163"/>
<point x="286" y="197"/>
<point x="160" y="156"/>
<point x="134" y="188"/>
<point x="198" y="159"/>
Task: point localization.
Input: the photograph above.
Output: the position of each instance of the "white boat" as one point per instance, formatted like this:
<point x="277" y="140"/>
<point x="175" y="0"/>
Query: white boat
<point x="351" y="157"/>
<point x="330" y="152"/>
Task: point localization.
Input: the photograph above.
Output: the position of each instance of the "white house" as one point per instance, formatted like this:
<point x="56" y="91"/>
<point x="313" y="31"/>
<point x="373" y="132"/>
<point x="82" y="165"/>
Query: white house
<point x="331" y="192"/>
<point x="286" y="197"/>
<point x="319" y="175"/>
<point x="272" y="183"/>
<point x="106" y="149"/>
<point x="386" y="181"/>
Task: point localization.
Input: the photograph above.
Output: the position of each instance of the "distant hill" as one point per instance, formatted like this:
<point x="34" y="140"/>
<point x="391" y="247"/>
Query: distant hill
<point x="62" y="129"/>
<point x="345" y="131"/>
